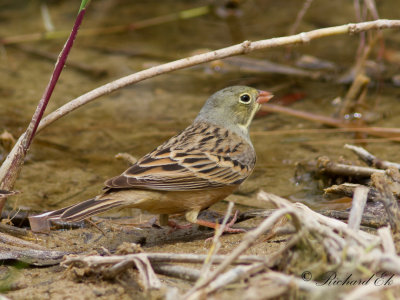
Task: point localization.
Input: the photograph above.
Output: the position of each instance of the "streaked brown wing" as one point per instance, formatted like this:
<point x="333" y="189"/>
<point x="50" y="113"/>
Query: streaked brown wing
<point x="186" y="163"/>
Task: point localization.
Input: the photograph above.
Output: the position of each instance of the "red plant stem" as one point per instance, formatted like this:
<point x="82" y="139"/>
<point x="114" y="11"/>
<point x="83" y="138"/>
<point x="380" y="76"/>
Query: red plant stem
<point x="53" y="81"/>
<point x="17" y="155"/>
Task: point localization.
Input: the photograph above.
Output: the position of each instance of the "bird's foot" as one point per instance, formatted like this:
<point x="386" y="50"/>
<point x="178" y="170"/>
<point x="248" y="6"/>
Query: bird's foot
<point x="227" y="227"/>
<point x="175" y="226"/>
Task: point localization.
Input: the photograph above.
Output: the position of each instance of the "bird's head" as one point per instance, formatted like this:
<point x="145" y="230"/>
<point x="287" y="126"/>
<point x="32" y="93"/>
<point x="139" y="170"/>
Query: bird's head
<point x="233" y="107"/>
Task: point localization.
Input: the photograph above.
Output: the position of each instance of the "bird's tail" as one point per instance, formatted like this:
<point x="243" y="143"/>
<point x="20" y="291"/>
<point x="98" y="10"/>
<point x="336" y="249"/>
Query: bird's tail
<point x="82" y="210"/>
<point x="98" y="204"/>
<point x="88" y="208"/>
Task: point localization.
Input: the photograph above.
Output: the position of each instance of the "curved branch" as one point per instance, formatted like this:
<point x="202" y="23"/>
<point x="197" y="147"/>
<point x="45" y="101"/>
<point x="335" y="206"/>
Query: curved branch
<point x="242" y="48"/>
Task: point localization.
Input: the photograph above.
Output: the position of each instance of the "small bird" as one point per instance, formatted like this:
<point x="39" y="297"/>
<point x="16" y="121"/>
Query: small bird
<point x="191" y="171"/>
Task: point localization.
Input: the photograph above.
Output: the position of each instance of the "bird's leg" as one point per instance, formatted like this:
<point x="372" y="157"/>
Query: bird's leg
<point x="227" y="227"/>
<point x="163" y="219"/>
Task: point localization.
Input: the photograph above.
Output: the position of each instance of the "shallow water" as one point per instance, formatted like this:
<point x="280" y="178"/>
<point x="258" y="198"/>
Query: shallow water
<point x="70" y="160"/>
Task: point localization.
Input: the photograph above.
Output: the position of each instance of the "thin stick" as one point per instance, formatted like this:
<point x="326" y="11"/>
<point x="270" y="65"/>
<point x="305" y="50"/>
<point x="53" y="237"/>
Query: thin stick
<point x="239" y="49"/>
<point x="347" y="189"/>
<point x="371" y="159"/>
<point x="300" y="16"/>
<point x="359" y="200"/>
<point x="387" y="240"/>
<point x="180" y="272"/>
<point x="160" y="258"/>
<point x="325" y="165"/>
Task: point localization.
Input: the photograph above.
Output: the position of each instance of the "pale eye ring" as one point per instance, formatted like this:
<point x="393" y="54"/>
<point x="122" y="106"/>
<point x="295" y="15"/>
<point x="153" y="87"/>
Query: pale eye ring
<point x="245" y="98"/>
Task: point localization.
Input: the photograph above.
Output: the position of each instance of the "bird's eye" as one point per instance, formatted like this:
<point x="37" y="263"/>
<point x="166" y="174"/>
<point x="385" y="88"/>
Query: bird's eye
<point x="245" y="98"/>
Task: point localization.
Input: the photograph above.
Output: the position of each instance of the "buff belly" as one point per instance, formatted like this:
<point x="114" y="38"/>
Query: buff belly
<point x="170" y="202"/>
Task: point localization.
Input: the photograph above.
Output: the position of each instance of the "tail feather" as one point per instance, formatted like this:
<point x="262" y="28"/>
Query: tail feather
<point x="88" y="208"/>
<point x="96" y="205"/>
<point x="54" y="214"/>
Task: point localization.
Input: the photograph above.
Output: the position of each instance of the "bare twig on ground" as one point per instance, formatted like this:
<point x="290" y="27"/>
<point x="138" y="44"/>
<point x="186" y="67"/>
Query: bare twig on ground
<point x="111" y="266"/>
<point x="117" y="264"/>
<point x="13" y="230"/>
<point x="10" y="240"/>
<point x="30" y="256"/>
<point x="180" y="272"/>
<point x="347" y="189"/>
<point x="370" y="159"/>
<point x="325" y="165"/>
<point x="162" y="258"/>
<point x="387" y="240"/>
<point x="358" y="204"/>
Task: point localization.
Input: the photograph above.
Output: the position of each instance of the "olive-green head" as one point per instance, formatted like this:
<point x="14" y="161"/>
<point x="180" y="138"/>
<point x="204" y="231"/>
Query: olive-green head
<point x="233" y="108"/>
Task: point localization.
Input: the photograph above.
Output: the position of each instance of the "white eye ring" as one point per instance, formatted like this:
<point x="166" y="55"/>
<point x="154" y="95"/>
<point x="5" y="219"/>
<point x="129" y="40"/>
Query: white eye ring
<point x="245" y="98"/>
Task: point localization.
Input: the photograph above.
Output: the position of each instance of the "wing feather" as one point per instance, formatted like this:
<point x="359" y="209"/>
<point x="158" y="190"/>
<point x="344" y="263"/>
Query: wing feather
<point x="201" y="157"/>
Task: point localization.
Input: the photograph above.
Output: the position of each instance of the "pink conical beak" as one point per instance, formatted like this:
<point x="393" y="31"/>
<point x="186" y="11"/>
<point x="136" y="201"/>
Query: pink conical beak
<point x="263" y="97"/>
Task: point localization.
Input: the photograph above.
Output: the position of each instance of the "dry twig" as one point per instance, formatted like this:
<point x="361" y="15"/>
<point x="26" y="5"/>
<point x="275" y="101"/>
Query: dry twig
<point x="243" y="48"/>
<point x="359" y="201"/>
<point x="371" y="159"/>
<point x="325" y="165"/>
